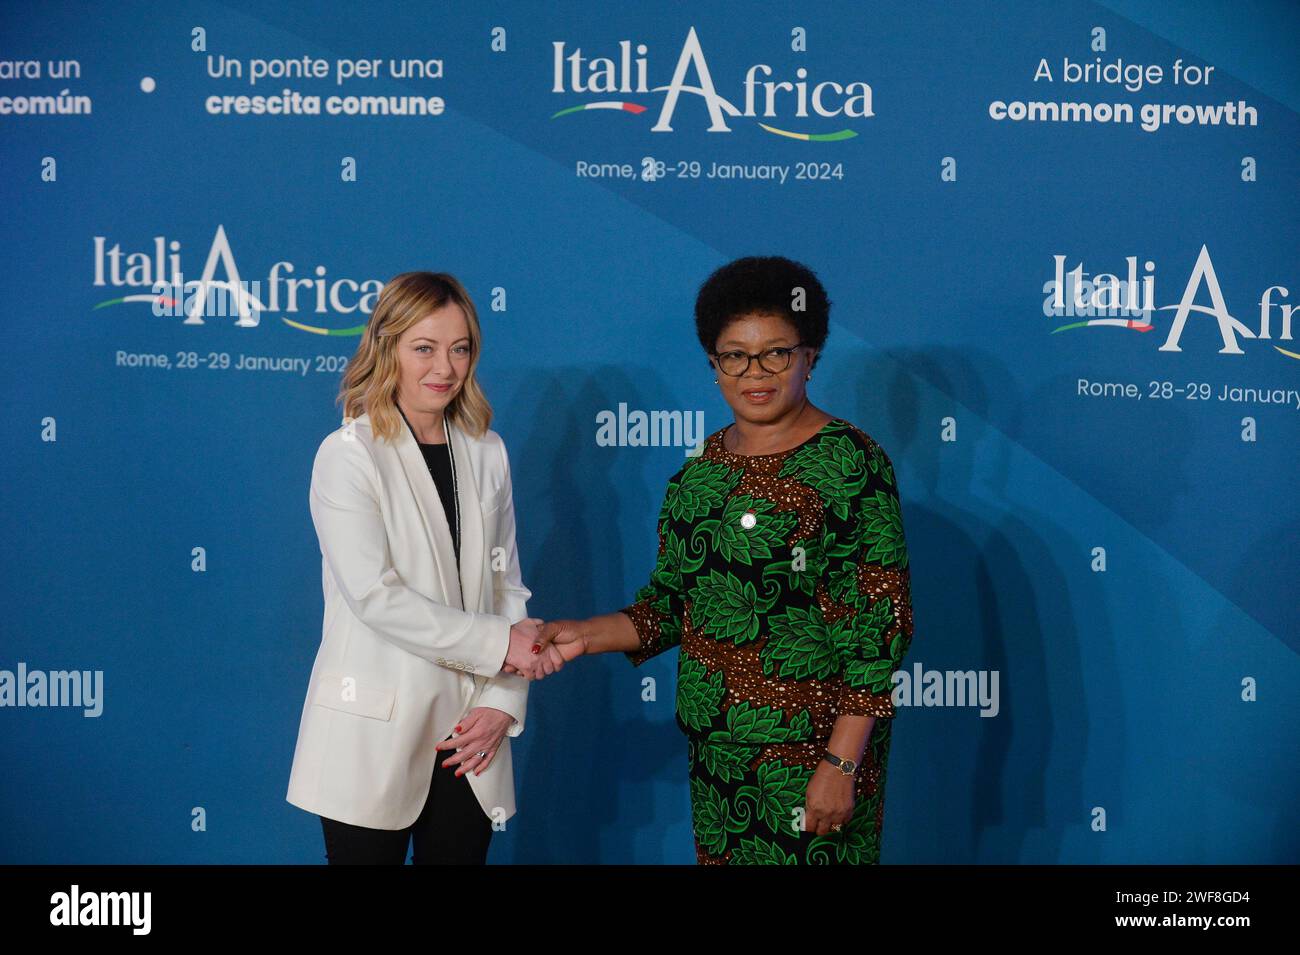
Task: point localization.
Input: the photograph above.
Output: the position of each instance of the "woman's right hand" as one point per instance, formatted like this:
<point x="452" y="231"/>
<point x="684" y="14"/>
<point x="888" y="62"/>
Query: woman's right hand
<point x="565" y="636"/>
<point x="527" y="656"/>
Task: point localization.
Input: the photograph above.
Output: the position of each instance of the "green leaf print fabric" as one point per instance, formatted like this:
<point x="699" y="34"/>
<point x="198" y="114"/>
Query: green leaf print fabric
<point x="784" y="581"/>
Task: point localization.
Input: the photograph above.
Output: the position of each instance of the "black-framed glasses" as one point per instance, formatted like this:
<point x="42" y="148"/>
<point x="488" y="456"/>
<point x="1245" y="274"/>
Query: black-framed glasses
<point x="772" y="360"/>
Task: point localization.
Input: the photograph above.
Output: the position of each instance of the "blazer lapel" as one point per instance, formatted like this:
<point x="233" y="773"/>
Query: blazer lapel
<point x="430" y="504"/>
<point x="471" y="520"/>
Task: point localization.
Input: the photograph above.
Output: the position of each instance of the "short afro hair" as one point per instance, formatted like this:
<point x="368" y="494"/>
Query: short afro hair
<point x="768" y="285"/>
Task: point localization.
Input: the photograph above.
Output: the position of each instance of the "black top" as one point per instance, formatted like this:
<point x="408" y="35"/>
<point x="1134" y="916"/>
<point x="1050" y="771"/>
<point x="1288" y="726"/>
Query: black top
<point x="438" y="459"/>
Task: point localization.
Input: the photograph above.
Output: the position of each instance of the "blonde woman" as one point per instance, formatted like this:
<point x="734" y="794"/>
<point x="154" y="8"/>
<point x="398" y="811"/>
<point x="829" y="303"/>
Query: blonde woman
<point x="421" y="678"/>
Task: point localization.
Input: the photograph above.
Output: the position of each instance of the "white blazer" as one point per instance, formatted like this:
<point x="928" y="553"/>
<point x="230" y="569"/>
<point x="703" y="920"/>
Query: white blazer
<point x="404" y="654"/>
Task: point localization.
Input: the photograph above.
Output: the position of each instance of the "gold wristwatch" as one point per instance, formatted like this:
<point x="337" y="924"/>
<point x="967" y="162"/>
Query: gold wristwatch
<point x="846" y="766"/>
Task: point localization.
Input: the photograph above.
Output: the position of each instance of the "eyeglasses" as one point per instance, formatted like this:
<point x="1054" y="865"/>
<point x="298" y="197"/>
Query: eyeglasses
<point x="773" y="360"/>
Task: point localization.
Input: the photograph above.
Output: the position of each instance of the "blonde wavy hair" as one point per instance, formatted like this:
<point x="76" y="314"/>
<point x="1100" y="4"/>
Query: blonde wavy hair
<point x="370" y="381"/>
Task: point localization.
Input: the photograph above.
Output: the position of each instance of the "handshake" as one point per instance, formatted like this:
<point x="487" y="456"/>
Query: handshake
<point x="539" y="648"/>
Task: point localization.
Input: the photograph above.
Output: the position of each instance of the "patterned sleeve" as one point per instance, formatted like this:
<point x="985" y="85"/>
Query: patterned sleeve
<point x="871" y="578"/>
<point x="656" y="610"/>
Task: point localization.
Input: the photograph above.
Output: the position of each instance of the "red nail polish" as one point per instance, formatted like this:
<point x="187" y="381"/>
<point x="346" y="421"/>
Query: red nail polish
<point x="459" y="730"/>
<point x="537" y="648"/>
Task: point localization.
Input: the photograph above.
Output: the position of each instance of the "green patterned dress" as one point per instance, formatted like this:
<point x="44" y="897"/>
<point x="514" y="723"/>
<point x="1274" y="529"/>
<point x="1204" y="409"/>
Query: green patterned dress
<point x="783" y="578"/>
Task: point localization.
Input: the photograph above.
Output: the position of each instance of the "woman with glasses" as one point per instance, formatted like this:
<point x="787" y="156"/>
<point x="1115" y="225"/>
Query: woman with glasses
<point x="782" y="576"/>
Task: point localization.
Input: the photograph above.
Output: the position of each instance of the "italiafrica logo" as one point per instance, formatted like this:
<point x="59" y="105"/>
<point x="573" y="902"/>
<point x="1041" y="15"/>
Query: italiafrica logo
<point x="170" y="294"/>
<point x="627" y="74"/>
<point x="1104" y="299"/>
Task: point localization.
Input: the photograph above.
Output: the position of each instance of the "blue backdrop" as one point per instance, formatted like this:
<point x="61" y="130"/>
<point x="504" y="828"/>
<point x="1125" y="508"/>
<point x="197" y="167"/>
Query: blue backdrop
<point x="1104" y="516"/>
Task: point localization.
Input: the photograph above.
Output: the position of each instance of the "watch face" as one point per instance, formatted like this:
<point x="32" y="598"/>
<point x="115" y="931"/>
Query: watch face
<point x="847" y="767"/>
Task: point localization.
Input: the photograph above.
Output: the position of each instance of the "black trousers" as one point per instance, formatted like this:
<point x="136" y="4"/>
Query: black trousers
<point x="452" y="829"/>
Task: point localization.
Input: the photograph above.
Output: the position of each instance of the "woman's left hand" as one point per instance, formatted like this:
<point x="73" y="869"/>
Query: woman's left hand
<point x="481" y="731"/>
<point x="829" y="800"/>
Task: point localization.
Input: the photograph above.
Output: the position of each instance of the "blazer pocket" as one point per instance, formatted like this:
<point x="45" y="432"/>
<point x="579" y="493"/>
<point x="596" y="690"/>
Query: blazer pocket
<point x="350" y="695"/>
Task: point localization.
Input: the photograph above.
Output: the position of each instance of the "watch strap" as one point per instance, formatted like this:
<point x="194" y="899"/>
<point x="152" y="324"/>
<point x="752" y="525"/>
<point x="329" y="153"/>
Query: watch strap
<point x="840" y="763"/>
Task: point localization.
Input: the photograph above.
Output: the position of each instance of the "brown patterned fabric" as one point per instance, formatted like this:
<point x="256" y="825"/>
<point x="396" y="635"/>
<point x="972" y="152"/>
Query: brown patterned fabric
<point x="783" y="579"/>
